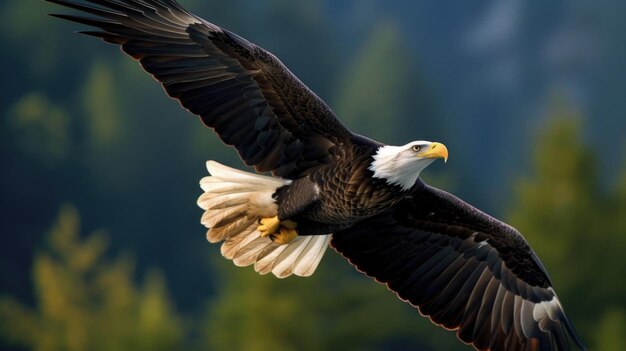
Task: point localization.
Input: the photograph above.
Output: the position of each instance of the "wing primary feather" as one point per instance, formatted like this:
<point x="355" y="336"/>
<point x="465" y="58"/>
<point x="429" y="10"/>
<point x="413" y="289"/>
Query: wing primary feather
<point x="472" y="306"/>
<point x="482" y="325"/>
<point x="179" y="49"/>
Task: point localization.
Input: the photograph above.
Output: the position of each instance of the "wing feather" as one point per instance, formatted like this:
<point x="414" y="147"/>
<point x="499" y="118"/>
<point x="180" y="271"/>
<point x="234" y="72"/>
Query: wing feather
<point x="240" y="90"/>
<point x="465" y="270"/>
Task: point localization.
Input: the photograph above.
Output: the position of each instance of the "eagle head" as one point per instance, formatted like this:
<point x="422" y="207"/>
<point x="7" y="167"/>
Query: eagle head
<point x="401" y="165"/>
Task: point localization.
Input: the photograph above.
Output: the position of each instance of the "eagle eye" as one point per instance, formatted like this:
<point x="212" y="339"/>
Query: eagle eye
<point x="416" y="148"/>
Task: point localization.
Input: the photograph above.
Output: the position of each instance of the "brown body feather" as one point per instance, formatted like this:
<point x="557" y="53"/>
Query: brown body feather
<point x="337" y="195"/>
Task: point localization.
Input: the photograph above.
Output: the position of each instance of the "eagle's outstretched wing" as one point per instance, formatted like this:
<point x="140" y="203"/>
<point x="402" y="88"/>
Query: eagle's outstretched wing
<point x="243" y="92"/>
<point x="464" y="269"/>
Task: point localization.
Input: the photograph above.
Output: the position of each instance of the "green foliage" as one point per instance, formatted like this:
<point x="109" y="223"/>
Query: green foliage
<point x="576" y="228"/>
<point x="86" y="303"/>
<point x="556" y="203"/>
<point x="371" y="98"/>
<point x="40" y="128"/>
<point x="382" y="94"/>
<point x="335" y="309"/>
<point x="610" y="331"/>
<point x="259" y="313"/>
<point x="103" y="118"/>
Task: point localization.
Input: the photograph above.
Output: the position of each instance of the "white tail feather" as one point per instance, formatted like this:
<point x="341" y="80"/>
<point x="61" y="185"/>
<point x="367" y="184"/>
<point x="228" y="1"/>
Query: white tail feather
<point x="234" y="201"/>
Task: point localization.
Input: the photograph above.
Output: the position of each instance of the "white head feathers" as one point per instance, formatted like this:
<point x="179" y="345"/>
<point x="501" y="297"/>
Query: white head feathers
<point x="401" y="165"/>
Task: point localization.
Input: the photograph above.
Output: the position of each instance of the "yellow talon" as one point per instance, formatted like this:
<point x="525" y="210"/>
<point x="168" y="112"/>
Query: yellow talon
<point x="268" y="226"/>
<point x="284" y="235"/>
<point x="279" y="232"/>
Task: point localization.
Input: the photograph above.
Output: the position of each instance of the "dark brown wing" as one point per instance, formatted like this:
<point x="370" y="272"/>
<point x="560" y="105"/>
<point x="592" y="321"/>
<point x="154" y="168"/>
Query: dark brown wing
<point x="464" y="269"/>
<point x="240" y="90"/>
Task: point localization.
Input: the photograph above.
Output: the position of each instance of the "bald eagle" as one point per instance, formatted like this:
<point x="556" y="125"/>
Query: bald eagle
<point x="460" y="267"/>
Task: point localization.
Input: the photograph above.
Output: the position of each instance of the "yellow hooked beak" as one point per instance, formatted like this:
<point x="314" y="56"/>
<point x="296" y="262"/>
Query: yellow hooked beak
<point x="435" y="150"/>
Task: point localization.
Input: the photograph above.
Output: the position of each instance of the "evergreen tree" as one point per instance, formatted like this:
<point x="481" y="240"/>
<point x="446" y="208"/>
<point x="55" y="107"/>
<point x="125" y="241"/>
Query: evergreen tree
<point x="381" y="94"/>
<point x="335" y="309"/>
<point x="40" y="130"/>
<point x="86" y="303"/>
<point x="576" y="228"/>
<point x="555" y="208"/>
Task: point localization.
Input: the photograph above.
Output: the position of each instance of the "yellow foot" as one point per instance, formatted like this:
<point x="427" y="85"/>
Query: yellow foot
<point x="284" y="235"/>
<point x="268" y="226"/>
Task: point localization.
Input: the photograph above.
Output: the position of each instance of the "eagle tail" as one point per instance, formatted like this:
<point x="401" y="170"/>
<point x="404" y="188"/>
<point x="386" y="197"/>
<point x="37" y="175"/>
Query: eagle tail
<point x="233" y="202"/>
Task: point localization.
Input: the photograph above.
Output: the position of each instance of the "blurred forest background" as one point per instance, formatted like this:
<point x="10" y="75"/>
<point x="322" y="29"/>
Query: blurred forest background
<point x="101" y="246"/>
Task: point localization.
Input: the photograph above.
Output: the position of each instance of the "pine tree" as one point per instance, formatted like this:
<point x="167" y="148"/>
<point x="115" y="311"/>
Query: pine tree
<point x="41" y="130"/>
<point x="576" y="227"/>
<point x="335" y="309"/>
<point x="84" y="302"/>
<point x="381" y="94"/>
